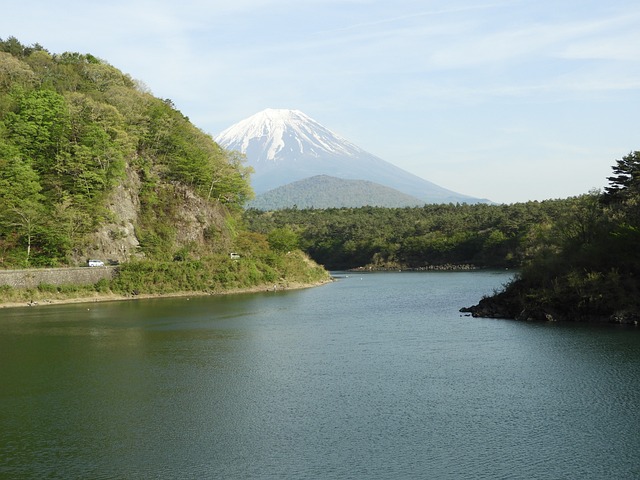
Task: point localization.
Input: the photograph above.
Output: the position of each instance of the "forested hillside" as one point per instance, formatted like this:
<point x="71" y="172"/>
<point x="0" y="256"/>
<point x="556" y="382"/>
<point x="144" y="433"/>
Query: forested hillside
<point x="93" y="165"/>
<point x="418" y="237"/>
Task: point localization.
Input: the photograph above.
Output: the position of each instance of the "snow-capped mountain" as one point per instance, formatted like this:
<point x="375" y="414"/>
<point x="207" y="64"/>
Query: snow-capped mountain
<point x="285" y="146"/>
<point x="272" y="135"/>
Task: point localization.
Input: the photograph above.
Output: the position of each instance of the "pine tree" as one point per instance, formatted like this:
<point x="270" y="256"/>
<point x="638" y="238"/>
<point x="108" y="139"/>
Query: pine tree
<point x="625" y="182"/>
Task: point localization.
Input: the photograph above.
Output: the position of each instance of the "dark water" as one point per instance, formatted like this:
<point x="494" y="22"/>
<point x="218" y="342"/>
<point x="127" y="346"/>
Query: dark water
<point x="375" y="376"/>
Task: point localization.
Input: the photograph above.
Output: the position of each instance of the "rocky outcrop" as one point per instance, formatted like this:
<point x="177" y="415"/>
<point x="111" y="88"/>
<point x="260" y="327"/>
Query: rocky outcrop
<point x="513" y="303"/>
<point x="195" y="221"/>
<point x="500" y="305"/>
<point x="196" y="218"/>
<point x="116" y="241"/>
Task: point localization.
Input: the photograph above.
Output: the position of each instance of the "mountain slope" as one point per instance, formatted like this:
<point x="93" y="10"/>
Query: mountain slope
<point x="323" y="191"/>
<point x="284" y="146"/>
<point x="92" y="166"/>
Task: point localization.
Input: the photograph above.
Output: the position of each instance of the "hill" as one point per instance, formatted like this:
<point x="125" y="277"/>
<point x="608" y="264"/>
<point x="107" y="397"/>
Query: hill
<point x="284" y="146"/>
<point x="93" y="166"/>
<point x="324" y="191"/>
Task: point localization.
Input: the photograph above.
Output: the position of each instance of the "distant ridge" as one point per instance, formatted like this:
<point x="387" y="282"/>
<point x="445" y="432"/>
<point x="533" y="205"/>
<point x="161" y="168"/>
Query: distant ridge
<point x="324" y="191"/>
<point x="284" y="146"/>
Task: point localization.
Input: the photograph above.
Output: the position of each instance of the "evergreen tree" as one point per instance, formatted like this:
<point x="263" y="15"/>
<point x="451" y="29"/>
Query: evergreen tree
<point x="625" y="183"/>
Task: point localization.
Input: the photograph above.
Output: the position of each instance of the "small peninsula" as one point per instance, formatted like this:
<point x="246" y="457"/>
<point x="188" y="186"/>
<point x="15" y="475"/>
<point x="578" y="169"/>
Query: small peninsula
<point x="586" y="269"/>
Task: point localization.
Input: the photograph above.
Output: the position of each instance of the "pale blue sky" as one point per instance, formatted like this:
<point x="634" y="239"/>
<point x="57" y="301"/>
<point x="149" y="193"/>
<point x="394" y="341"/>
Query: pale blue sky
<point x="511" y="100"/>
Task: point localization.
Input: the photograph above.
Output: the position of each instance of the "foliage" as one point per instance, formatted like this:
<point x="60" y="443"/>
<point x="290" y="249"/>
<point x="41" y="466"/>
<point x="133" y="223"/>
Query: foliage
<point x="625" y="183"/>
<point x="414" y="237"/>
<point x="586" y="266"/>
<point x="283" y="239"/>
<point x="257" y="268"/>
<point x="71" y="126"/>
<point x="217" y="274"/>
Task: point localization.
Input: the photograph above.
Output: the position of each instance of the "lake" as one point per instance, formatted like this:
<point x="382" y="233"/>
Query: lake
<point x="374" y="376"/>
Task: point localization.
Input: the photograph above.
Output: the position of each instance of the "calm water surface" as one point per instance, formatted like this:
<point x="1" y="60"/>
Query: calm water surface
<point x="375" y="376"/>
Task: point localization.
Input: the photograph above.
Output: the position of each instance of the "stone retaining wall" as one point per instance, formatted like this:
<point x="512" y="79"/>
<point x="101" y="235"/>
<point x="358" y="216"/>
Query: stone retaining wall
<point x="33" y="277"/>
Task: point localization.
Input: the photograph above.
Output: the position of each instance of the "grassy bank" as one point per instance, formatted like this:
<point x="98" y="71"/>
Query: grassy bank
<point x="212" y="275"/>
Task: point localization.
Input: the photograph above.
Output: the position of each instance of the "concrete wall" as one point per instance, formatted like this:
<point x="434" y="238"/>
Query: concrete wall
<point x="56" y="276"/>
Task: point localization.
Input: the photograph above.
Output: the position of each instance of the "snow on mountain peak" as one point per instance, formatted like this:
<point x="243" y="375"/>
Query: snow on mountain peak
<point x="273" y="131"/>
<point x="284" y="146"/>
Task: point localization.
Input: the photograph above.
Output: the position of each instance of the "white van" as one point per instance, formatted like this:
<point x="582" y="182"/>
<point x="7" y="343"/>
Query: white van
<point x="96" y="263"/>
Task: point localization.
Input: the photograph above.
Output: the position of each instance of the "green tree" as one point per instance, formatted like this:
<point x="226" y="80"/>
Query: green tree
<point x="625" y="182"/>
<point x="19" y="183"/>
<point x="14" y="72"/>
<point x="283" y="239"/>
<point x="39" y="127"/>
<point x="13" y="46"/>
<point x="230" y="179"/>
<point x="20" y="198"/>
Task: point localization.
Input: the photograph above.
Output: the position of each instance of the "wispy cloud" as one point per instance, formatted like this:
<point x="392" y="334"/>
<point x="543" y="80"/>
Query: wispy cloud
<point x="410" y="16"/>
<point x="442" y="79"/>
<point x="566" y="39"/>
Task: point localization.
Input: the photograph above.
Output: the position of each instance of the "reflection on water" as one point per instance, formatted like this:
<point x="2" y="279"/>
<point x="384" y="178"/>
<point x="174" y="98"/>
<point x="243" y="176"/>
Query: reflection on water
<point x="374" y="376"/>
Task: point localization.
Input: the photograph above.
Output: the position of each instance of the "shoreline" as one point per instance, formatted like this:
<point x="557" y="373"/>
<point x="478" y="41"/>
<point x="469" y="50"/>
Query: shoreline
<point x="114" y="297"/>
<point x="447" y="267"/>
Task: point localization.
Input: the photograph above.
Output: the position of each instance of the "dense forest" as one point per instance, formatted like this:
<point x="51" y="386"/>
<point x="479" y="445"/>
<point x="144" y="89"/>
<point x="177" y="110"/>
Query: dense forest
<point x="92" y="165"/>
<point x="577" y="258"/>
<point x="434" y="235"/>
<point x="591" y="273"/>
